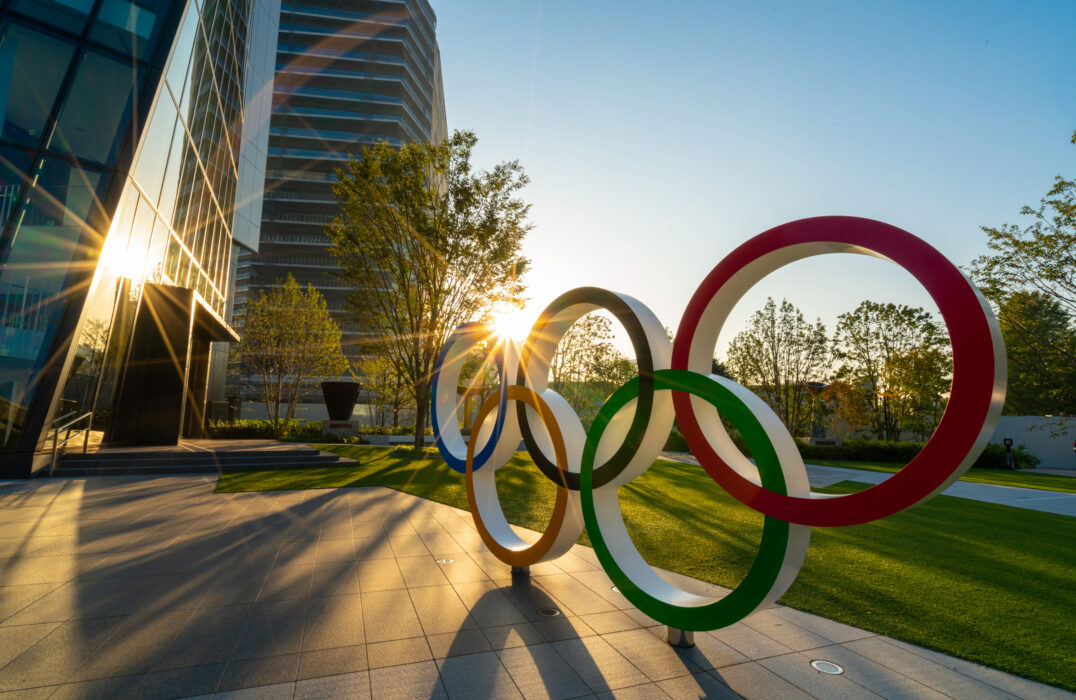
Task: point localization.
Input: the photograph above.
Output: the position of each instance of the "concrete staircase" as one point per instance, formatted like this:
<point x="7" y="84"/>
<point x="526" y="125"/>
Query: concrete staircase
<point x="172" y="461"/>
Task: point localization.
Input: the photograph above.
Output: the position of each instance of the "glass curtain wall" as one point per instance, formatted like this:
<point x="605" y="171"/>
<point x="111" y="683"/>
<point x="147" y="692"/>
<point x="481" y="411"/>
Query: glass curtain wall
<point x="86" y="220"/>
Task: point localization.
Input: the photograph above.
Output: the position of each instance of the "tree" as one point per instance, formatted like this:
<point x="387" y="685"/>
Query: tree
<point x="1039" y="257"/>
<point x="428" y="245"/>
<point x="1030" y="278"/>
<point x="898" y="358"/>
<point x="288" y="341"/>
<point x="586" y="368"/>
<point x="775" y="355"/>
<point x="1040" y="345"/>
<point x="386" y="388"/>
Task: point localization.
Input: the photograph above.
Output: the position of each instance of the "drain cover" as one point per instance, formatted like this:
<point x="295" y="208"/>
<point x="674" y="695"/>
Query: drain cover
<point x="12" y="489"/>
<point x="548" y="612"/>
<point x="827" y="667"/>
<point x="445" y="561"/>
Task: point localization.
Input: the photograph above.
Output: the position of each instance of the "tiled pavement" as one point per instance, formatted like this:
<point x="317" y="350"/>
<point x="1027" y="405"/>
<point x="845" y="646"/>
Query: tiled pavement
<point x="155" y="587"/>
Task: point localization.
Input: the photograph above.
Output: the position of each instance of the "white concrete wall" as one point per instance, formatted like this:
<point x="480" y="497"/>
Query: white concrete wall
<point x="1049" y="439"/>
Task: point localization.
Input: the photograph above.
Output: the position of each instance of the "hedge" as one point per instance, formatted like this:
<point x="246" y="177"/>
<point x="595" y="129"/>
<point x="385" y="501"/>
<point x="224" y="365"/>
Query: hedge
<point x="993" y="457"/>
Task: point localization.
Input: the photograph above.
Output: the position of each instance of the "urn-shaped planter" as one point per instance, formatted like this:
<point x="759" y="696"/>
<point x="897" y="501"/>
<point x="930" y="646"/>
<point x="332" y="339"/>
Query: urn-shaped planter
<point x="340" y="398"/>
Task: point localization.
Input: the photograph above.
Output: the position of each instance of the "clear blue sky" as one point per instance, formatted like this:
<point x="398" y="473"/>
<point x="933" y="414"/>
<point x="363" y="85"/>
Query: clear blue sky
<point x="660" y="136"/>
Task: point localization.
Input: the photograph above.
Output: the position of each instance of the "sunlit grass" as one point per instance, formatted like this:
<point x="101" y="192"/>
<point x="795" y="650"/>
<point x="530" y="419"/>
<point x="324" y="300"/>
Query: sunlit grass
<point x="983" y="582"/>
<point x="996" y="477"/>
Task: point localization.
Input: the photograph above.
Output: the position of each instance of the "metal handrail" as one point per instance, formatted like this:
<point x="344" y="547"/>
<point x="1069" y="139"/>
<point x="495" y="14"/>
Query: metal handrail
<point x="56" y="443"/>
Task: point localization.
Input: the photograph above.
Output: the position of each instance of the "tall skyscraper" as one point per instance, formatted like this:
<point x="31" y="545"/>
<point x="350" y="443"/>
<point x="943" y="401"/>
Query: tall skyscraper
<point x="125" y="131"/>
<point x="347" y="74"/>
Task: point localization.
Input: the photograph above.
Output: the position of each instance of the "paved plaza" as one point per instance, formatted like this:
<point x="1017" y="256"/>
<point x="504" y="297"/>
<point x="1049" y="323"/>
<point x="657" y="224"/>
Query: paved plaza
<point x="155" y="587"/>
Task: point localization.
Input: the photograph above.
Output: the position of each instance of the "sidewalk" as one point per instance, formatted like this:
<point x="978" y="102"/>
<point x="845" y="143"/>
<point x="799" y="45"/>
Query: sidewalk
<point x="157" y="587"/>
<point x="1031" y="499"/>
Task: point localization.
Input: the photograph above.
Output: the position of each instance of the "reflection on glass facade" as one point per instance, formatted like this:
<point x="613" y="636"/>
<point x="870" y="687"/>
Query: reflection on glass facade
<point x="122" y="124"/>
<point x="347" y="74"/>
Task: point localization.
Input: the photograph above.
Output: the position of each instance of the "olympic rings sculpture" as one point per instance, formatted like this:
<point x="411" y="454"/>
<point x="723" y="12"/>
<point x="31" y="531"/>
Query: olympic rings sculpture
<point x="674" y="383"/>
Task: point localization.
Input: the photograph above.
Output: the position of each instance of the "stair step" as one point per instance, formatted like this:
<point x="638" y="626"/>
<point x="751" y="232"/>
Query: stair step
<point x="222" y="462"/>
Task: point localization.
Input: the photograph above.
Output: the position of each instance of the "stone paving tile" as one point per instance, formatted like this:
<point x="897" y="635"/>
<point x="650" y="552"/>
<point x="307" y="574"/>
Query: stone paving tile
<point x="334" y="621"/>
<point x="697" y="685"/>
<point x="440" y="610"/>
<point x="267" y="670"/>
<point x="421" y="571"/>
<point x="208" y="637"/>
<point x="117" y="687"/>
<point x="348" y="686"/>
<point x="328" y="662"/>
<point x="398" y="652"/>
<point x="538" y="671"/>
<point x="62" y="652"/>
<point x="836" y="632"/>
<point x="488" y="604"/>
<point x="471" y="641"/>
<point x="16" y="640"/>
<point x="785" y="632"/>
<point x="379" y="575"/>
<point x="477" y="676"/>
<point x="335" y="578"/>
<point x="389" y="615"/>
<point x="752" y="680"/>
<point x="517" y="635"/>
<point x="180" y="682"/>
<point x="135" y="646"/>
<point x="578" y="598"/>
<point x="749" y="641"/>
<point x="709" y="653"/>
<point x="653" y="656"/>
<point x="15" y="598"/>
<point x="272" y="629"/>
<point x="30" y="693"/>
<point x="599" y="665"/>
<point x="873" y="676"/>
<point x="797" y="670"/>
<point x="287" y="582"/>
<point x="609" y="622"/>
<point x="420" y="680"/>
<point x="462" y="569"/>
<point x="567" y="627"/>
<point x="279" y="691"/>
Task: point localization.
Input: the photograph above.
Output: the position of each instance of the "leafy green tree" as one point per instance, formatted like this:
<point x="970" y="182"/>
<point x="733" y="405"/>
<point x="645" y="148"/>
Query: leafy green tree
<point x="586" y="368"/>
<point x="775" y="355"/>
<point x="289" y="342"/>
<point x="1029" y="276"/>
<point x="1040" y="345"/>
<point x="386" y="389"/>
<point x="1039" y="257"/>
<point x="427" y="244"/>
<point x="898" y="358"/>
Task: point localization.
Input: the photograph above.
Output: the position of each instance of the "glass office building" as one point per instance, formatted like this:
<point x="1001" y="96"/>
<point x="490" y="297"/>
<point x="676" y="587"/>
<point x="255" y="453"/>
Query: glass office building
<point x="347" y="74"/>
<point x="127" y="129"/>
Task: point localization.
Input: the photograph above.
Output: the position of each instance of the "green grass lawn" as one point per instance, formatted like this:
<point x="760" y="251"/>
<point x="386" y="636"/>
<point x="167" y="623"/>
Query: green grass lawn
<point x="988" y="583"/>
<point x="997" y="477"/>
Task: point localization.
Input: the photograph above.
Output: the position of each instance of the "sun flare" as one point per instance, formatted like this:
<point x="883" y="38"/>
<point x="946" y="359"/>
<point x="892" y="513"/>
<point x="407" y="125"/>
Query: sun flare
<point x="510" y="322"/>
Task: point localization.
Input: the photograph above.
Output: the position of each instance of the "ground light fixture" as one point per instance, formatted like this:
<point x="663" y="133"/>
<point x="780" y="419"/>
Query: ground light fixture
<point x="548" y="612"/>
<point x="445" y="560"/>
<point x="827" y="667"/>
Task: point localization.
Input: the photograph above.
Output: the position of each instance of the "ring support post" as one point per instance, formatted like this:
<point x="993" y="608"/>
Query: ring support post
<point x="682" y="639"/>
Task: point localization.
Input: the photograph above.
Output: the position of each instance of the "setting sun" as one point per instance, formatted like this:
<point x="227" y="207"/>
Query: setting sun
<point x="510" y="322"/>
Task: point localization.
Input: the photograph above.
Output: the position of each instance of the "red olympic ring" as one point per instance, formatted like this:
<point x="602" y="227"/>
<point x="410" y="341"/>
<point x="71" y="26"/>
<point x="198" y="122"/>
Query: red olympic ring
<point x="979" y="370"/>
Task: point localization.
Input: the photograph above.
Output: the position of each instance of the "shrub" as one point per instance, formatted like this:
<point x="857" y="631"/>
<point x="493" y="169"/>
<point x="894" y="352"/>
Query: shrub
<point x="993" y="457"/>
<point x="248" y="429"/>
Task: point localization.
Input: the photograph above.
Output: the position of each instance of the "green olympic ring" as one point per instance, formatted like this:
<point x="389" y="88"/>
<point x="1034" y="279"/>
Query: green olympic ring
<point x="640" y="584"/>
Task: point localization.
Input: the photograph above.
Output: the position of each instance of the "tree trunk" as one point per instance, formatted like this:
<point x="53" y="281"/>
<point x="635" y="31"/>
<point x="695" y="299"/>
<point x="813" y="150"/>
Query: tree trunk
<point x="422" y="407"/>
